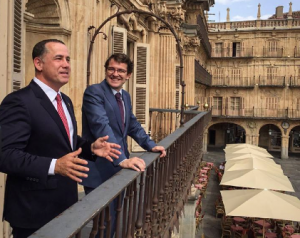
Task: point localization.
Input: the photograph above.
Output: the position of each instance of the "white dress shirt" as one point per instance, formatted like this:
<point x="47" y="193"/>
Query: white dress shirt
<point x="51" y="94"/>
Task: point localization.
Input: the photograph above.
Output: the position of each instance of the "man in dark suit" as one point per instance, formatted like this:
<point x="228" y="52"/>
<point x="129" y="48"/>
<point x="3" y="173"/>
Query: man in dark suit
<point x="40" y="146"/>
<point x="106" y="113"/>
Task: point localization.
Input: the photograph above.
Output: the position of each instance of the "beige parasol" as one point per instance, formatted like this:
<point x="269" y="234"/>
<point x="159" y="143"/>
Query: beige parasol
<point x="232" y="146"/>
<point x="253" y="163"/>
<point x="261" y="203"/>
<point x="247" y="156"/>
<point x="255" y="178"/>
<point x="248" y="151"/>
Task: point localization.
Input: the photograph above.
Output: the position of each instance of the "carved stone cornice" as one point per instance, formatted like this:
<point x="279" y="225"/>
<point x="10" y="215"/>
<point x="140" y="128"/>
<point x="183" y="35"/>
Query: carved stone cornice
<point x="170" y="11"/>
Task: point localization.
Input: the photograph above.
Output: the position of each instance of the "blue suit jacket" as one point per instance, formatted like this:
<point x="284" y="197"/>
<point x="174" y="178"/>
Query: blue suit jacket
<point x="33" y="134"/>
<point x="101" y="117"/>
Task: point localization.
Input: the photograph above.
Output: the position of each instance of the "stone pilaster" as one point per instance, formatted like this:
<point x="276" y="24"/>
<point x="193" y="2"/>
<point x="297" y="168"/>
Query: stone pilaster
<point x="205" y="135"/>
<point x="167" y="80"/>
<point x="190" y="45"/>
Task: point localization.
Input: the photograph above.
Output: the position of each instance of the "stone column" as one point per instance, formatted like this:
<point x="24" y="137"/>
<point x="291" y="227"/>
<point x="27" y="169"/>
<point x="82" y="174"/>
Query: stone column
<point x="284" y="147"/>
<point x="248" y="139"/>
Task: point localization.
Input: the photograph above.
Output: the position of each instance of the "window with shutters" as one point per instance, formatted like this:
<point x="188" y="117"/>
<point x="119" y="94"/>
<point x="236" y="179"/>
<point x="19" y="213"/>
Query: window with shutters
<point x="17" y="46"/>
<point x="236" y="49"/>
<point x="272" y="46"/>
<point x="235" y="103"/>
<point x="272" y="103"/>
<point x="219" y="78"/>
<point x="271" y="73"/>
<point x="140" y="102"/>
<point x="218" y="49"/>
<point x="119" y="40"/>
<point x="298" y="104"/>
<point x="217" y="103"/>
<point x="235" y="76"/>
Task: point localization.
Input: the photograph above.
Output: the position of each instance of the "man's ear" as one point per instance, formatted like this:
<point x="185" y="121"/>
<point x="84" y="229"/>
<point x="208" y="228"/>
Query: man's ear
<point x="128" y="76"/>
<point x="38" y="63"/>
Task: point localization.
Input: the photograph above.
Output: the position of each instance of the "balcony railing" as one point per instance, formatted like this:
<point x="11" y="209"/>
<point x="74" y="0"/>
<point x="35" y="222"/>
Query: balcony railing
<point x="153" y="199"/>
<point x="163" y="122"/>
<point x="202" y="75"/>
<point x="233" y="82"/>
<point x="274" y="81"/>
<point x="257" y="24"/>
<point x="204" y="35"/>
<point x="273" y="53"/>
<point x="257" y="112"/>
<point x="234" y="53"/>
<point x="295" y="81"/>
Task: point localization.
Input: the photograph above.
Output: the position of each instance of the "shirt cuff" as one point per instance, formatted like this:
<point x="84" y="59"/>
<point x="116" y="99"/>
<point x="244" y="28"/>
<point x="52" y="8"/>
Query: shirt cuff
<point x="122" y="161"/>
<point x="52" y="167"/>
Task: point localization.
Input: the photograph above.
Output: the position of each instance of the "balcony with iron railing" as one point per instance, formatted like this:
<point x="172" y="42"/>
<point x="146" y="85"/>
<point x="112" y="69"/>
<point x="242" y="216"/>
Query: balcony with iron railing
<point x="232" y="53"/>
<point x="297" y="52"/>
<point x="203" y="33"/>
<point x="271" y="81"/>
<point x="294" y="82"/>
<point x="153" y="200"/>
<point x="202" y="76"/>
<point x="272" y="53"/>
<point x="233" y="82"/>
<point x="259" y="113"/>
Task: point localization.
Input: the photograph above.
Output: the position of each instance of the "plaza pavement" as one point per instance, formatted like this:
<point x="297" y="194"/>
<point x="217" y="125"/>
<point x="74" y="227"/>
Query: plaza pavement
<point x="212" y="225"/>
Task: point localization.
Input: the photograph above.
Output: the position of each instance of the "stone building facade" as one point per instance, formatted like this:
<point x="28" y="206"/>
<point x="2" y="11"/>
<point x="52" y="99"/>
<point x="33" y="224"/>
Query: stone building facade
<point x="255" y="89"/>
<point x="155" y="82"/>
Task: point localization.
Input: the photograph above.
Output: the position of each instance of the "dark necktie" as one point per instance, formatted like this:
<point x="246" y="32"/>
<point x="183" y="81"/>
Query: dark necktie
<point x="121" y="107"/>
<point x="62" y="114"/>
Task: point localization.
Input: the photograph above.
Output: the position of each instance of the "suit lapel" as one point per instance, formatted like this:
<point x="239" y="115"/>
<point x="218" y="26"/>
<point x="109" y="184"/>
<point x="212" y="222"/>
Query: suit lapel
<point x="48" y="106"/>
<point x="127" y="104"/>
<point x="112" y="100"/>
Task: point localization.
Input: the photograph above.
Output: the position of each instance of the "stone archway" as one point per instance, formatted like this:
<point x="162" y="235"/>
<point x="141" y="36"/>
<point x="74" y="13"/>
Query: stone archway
<point x="270" y="137"/>
<point x="294" y="140"/>
<point x="49" y="13"/>
<point x="222" y="133"/>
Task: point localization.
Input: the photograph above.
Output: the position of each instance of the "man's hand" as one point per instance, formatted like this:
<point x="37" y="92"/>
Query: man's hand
<point x="134" y="163"/>
<point x="105" y="149"/>
<point x="160" y="149"/>
<point x="70" y="166"/>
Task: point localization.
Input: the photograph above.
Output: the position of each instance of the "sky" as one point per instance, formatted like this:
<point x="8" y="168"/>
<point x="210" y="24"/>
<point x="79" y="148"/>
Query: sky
<point x="241" y="10"/>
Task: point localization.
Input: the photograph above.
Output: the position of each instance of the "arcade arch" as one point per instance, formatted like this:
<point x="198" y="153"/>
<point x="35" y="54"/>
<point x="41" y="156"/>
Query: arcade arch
<point x="270" y="137"/>
<point x="222" y="133"/>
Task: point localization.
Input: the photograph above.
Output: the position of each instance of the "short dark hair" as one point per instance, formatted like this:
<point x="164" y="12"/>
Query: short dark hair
<point x="39" y="49"/>
<point x="120" y="58"/>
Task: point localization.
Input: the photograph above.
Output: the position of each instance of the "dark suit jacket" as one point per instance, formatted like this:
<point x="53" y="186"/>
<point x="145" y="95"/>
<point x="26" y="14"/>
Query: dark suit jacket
<point x="101" y="116"/>
<point x="33" y="134"/>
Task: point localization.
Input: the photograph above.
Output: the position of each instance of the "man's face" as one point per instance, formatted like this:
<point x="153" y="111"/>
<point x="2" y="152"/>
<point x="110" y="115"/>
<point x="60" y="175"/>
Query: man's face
<point x="53" y="68"/>
<point x="116" y="74"/>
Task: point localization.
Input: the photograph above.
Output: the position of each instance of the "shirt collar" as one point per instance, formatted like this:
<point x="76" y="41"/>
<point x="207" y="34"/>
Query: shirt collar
<point x="114" y="91"/>
<point x="51" y="93"/>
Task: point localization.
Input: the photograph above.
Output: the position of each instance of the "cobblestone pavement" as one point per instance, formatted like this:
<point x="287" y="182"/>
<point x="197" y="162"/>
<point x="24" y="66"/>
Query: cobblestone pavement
<point x="212" y="225"/>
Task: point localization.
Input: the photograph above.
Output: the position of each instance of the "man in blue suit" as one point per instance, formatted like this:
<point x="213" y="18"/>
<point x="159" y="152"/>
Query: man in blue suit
<point x="103" y="114"/>
<point x="40" y="146"/>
